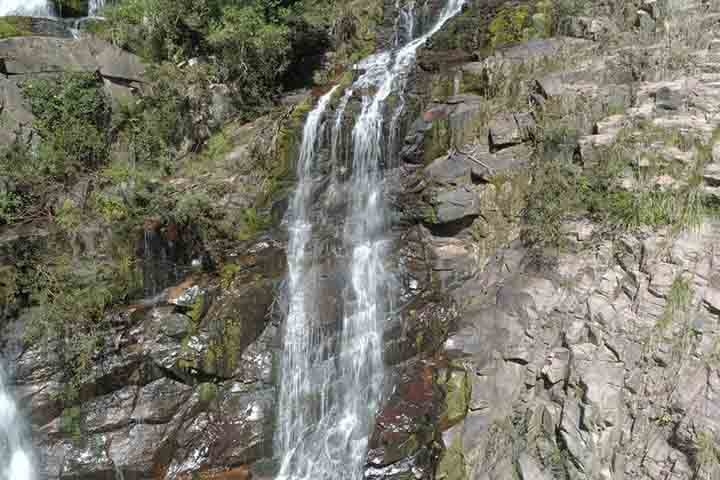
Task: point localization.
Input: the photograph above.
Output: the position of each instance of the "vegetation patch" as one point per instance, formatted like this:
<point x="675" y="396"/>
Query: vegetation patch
<point x="69" y="300"/>
<point x="511" y="25"/>
<point x="72" y="116"/>
<point x="707" y="458"/>
<point x="15" y="27"/>
<point x="679" y="300"/>
<point x="617" y="187"/>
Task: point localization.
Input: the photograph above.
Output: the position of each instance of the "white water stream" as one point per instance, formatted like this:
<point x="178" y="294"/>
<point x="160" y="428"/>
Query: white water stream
<point x="95" y="7"/>
<point x="15" y="459"/>
<point x="331" y="386"/>
<point x="41" y="8"/>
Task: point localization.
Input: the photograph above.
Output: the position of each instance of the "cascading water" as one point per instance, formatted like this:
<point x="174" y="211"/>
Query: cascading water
<point x="95" y="7"/>
<point x="15" y="463"/>
<point x="331" y="384"/>
<point x="41" y="8"/>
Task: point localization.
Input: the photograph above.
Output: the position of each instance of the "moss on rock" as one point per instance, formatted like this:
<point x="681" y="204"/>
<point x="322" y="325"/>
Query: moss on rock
<point x="457" y="397"/>
<point x="452" y="464"/>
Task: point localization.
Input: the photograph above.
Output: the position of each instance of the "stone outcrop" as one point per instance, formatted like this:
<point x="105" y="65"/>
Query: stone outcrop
<point x="586" y="367"/>
<point x="183" y="385"/>
<point x="23" y="58"/>
<point x="599" y="361"/>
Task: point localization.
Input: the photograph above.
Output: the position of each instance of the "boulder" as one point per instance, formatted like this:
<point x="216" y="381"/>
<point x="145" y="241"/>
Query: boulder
<point x="510" y="129"/>
<point x="159" y="401"/>
<point x="455" y="204"/>
<point x="586" y="27"/>
<point x="42" y="55"/>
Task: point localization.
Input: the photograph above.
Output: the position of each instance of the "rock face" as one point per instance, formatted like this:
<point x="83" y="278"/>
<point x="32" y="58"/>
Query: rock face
<point x="585" y="368"/>
<point x="181" y="386"/>
<point x="24" y="57"/>
<point x="598" y="360"/>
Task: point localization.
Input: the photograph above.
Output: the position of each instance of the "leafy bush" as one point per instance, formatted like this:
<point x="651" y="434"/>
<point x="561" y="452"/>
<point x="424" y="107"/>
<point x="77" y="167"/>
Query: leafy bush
<point x="250" y="45"/>
<point x="156" y="123"/>
<point x="9" y="204"/>
<point x="254" y="50"/>
<point x="14" y="27"/>
<point x="69" y="217"/>
<point x="72" y="114"/>
<point x="510" y="25"/>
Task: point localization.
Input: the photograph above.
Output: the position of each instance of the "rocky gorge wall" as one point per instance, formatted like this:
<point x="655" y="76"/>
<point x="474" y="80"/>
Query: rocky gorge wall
<point x="592" y="358"/>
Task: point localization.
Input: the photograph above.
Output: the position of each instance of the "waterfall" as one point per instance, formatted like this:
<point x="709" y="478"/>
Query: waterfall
<point x="40" y="8"/>
<point x="15" y="463"/>
<point x="404" y="22"/>
<point x="331" y="381"/>
<point x="95" y="7"/>
<point x="300" y="342"/>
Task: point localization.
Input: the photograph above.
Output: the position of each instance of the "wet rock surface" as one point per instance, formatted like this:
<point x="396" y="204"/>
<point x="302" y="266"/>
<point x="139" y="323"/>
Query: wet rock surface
<point x="180" y="388"/>
<point x="498" y="366"/>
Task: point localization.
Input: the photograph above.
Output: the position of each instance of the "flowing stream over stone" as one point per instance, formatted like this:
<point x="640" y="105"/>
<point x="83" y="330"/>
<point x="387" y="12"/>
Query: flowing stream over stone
<point x="15" y="461"/>
<point x="331" y="383"/>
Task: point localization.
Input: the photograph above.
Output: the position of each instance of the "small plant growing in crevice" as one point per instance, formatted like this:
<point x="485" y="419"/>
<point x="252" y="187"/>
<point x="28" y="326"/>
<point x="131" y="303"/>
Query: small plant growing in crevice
<point x="678" y="302"/>
<point x="228" y="274"/>
<point x="707" y="456"/>
<point x="207" y="393"/>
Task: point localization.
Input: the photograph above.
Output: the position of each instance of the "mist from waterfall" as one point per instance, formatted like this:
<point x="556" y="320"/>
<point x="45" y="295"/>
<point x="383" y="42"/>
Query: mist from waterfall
<point x="40" y="8"/>
<point x="332" y="382"/>
<point x="15" y="457"/>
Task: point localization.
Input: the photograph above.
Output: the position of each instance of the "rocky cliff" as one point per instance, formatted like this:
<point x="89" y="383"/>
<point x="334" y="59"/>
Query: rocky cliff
<point x="555" y="204"/>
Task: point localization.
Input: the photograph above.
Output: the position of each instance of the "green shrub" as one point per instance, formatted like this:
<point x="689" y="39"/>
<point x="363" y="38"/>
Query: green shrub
<point x="254" y="51"/>
<point x="156" y="123"/>
<point x="69" y="216"/>
<point x="192" y="207"/>
<point x="72" y="115"/>
<point x="111" y="209"/>
<point x="71" y="423"/>
<point x="10" y="202"/>
<point x="253" y="223"/>
<point x="14" y="27"/>
<point x="510" y="25"/>
<point x="228" y="274"/>
<point x="552" y="196"/>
